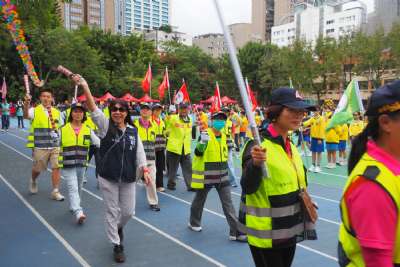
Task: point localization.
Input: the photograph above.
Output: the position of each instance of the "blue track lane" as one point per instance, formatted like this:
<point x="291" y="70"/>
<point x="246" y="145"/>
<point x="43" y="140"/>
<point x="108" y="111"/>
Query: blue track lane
<point x="175" y="207"/>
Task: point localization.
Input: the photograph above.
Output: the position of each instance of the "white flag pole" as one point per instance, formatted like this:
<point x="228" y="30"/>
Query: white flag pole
<point x="239" y="79"/>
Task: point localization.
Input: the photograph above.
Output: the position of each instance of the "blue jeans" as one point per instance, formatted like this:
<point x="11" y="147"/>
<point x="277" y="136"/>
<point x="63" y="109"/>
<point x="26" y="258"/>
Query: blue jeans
<point x="5" y="122"/>
<point x="231" y="168"/>
<point x="74" y="178"/>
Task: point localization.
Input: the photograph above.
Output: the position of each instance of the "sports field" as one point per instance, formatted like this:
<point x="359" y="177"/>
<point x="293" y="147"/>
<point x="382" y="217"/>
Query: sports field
<point x="36" y="231"/>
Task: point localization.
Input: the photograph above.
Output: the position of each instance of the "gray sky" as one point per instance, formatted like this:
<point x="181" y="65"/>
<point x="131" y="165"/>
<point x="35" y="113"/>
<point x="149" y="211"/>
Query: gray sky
<point x="199" y="17"/>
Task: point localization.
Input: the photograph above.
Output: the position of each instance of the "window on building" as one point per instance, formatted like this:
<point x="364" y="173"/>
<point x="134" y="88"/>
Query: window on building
<point x="330" y="31"/>
<point x="330" y="22"/>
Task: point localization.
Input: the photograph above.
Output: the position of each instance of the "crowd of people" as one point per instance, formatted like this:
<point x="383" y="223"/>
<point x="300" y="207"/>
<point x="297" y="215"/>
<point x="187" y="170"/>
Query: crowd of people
<point x="144" y="143"/>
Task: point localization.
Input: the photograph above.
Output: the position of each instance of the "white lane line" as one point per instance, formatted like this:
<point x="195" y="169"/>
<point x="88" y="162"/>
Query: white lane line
<point x="318" y="252"/>
<point x="173" y="239"/>
<point x="68" y="247"/>
<point x="218" y="214"/>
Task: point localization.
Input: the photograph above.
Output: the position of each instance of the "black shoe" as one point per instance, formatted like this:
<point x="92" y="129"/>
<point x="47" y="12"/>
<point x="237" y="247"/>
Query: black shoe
<point x="191" y="190"/>
<point x="172" y="188"/>
<point x="119" y="255"/>
<point x="155" y="207"/>
<point x="121" y="235"/>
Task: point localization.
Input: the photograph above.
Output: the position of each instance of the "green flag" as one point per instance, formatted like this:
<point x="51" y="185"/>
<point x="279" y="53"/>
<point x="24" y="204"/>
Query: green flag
<point x="349" y="103"/>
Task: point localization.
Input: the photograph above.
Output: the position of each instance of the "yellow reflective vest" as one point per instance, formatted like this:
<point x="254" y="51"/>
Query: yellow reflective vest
<point x="160" y="134"/>
<point x="148" y="137"/>
<point x="212" y="167"/>
<point x="179" y="135"/>
<point x="228" y="132"/>
<point x="268" y="222"/>
<point x="40" y="132"/>
<point x="106" y="112"/>
<point x="74" y="149"/>
<point x="349" y="248"/>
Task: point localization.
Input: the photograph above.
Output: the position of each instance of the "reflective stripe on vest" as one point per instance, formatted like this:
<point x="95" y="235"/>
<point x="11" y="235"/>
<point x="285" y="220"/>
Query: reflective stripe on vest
<point x="212" y="167"/>
<point x="40" y="131"/>
<point x="74" y="149"/>
<point x="350" y="254"/>
<point x="261" y="216"/>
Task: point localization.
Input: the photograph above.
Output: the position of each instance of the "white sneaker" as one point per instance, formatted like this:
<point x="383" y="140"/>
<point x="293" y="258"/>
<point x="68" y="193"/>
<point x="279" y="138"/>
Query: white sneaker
<point x="330" y="166"/>
<point x="33" y="186"/>
<point x="84" y="180"/>
<point x="312" y="168"/>
<point x="160" y="189"/>
<point x="195" y="228"/>
<point x="317" y="169"/>
<point x="80" y="217"/>
<point x="56" y="195"/>
<point x="239" y="238"/>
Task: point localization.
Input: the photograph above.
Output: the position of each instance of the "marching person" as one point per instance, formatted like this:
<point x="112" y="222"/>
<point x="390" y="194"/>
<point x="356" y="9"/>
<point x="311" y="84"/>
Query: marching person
<point x="20" y="114"/>
<point x="357" y="126"/>
<point x="275" y="217"/>
<point x="44" y="140"/>
<point x="159" y="146"/>
<point x="317" y="124"/>
<point x="179" y="133"/>
<point x="332" y="145"/>
<point x="343" y="139"/>
<point x="210" y="169"/>
<point x="76" y="137"/>
<point x="5" y="115"/>
<point x="229" y="141"/>
<point x="123" y="160"/>
<point x="147" y="134"/>
<point x="369" y="234"/>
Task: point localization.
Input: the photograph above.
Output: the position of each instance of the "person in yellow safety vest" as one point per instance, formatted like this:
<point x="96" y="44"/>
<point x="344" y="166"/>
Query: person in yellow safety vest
<point x="229" y="140"/>
<point x="317" y="124"/>
<point x="275" y="218"/>
<point x="357" y="126"/>
<point x="343" y="139"/>
<point x="44" y="140"/>
<point x="210" y="169"/>
<point x="369" y="234"/>
<point x="147" y="133"/>
<point x="179" y="146"/>
<point x="160" y="145"/>
<point x="76" y="137"/>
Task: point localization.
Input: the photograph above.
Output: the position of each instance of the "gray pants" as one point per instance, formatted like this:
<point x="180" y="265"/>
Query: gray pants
<point x="173" y="160"/>
<point x="119" y="202"/>
<point x="224" y="193"/>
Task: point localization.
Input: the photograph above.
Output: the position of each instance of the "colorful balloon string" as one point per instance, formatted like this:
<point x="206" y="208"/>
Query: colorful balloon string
<point x="10" y="16"/>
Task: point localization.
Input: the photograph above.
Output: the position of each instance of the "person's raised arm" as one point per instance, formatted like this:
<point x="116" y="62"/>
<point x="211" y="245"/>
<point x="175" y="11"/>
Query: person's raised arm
<point x="79" y="80"/>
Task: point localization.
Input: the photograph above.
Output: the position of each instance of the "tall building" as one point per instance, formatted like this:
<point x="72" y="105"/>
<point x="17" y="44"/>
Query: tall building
<point x="83" y="12"/>
<point x="284" y="10"/>
<point x="150" y="14"/>
<point x="385" y="14"/>
<point x="212" y="44"/>
<point x="328" y="20"/>
<point x="160" y="38"/>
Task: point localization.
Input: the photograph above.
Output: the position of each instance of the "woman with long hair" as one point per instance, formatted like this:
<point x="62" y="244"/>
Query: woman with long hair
<point x="370" y="231"/>
<point x="122" y="161"/>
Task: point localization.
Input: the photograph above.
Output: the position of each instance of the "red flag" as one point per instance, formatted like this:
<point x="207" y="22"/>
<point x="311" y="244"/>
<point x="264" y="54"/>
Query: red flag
<point x="4" y="89"/>
<point x="164" y="85"/>
<point x="217" y="103"/>
<point x="182" y="95"/>
<point x="146" y="83"/>
<point x="251" y="96"/>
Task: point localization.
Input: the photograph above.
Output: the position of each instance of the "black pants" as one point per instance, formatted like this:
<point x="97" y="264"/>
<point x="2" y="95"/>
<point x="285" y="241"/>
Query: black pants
<point x="160" y="167"/>
<point x="173" y="161"/>
<point x="20" y="122"/>
<point x="280" y="257"/>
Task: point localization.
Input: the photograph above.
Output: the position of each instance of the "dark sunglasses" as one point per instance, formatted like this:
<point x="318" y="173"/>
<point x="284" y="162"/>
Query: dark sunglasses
<point x="115" y="109"/>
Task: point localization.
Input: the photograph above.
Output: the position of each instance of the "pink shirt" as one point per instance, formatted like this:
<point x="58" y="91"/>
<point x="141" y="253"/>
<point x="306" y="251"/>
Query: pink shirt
<point x="373" y="214"/>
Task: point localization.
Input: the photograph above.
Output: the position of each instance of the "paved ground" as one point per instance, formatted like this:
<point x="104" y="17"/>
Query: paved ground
<point x="36" y="231"/>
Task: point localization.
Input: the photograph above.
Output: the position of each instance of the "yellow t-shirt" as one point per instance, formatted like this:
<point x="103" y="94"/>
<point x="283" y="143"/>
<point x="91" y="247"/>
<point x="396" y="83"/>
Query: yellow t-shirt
<point x="356" y="127"/>
<point x="204" y="120"/>
<point x="344" y="132"/>
<point x="332" y="136"/>
<point x="317" y="127"/>
<point x="244" y="124"/>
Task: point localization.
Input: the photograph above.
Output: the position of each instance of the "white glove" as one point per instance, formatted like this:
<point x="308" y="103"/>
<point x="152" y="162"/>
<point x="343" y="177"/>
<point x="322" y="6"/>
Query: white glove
<point x="204" y="137"/>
